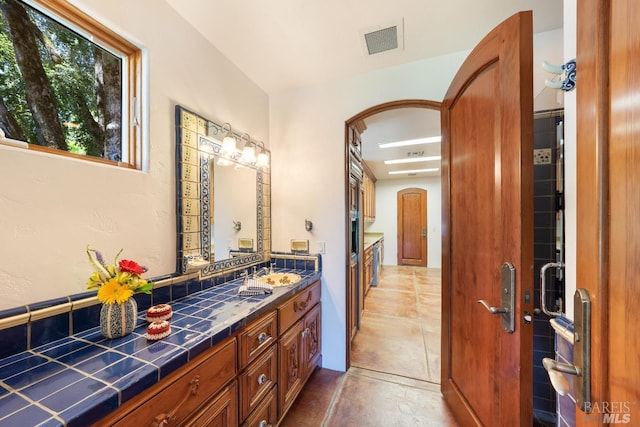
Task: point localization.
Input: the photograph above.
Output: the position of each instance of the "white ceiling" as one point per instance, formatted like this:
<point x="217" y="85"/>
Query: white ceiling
<point x="287" y="44"/>
<point x="401" y="124"/>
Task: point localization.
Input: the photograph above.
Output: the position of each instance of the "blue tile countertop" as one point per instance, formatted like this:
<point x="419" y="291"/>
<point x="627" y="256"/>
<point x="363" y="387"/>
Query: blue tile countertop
<point x="78" y="380"/>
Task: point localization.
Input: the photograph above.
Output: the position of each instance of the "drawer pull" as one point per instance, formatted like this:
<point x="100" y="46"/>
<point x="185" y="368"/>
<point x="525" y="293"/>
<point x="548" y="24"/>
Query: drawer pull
<point x="263" y="337"/>
<point x="306" y="332"/>
<point x="302" y="305"/>
<point x="162" y="420"/>
<point x="263" y="423"/>
<point x="262" y="379"/>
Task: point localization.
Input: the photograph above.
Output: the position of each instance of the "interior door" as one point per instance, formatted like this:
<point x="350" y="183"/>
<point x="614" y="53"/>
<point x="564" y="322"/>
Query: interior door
<point x="608" y="228"/>
<point x="412" y="227"/>
<point x="487" y="120"/>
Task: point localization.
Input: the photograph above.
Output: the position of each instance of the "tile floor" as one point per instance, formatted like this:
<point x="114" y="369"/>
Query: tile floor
<point x="395" y="373"/>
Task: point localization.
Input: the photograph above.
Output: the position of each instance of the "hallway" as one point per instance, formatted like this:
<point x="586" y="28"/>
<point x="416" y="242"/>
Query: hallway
<point x="395" y="361"/>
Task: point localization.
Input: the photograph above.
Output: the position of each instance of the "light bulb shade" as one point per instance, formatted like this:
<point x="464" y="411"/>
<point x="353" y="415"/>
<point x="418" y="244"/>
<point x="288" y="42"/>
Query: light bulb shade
<point x="263" y="160"/>
<point x="249" y="155"/>
<point x="228" y="145"/>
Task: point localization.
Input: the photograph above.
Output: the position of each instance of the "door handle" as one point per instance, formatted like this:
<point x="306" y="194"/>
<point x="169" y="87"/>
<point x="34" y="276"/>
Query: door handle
<point x="507" y="291"/>
<point x="543" y="289"/>
<point x="493" y="310"/>
<point x="580" y="370"/>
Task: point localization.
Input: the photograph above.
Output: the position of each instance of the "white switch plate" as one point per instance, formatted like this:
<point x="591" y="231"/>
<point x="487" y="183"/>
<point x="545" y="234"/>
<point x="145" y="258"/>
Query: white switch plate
<point x="320" y="247"/>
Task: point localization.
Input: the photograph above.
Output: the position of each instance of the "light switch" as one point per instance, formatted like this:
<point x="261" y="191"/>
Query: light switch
<point x="320" y="247"/>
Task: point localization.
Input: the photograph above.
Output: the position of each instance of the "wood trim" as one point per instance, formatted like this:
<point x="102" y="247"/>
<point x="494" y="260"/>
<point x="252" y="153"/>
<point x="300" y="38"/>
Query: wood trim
<point x="63" y="153"/>
<point x="103" y="35"/>
<point x="360" y="126"/>
<point x="393" y="105"/>
<point x="592" y="177"/>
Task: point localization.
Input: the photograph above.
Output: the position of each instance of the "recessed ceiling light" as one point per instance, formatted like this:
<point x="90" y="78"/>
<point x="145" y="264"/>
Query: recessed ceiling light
<point x="414" y="171"/>
<point x="429" y="140"/>
<point x="411" y="160"/>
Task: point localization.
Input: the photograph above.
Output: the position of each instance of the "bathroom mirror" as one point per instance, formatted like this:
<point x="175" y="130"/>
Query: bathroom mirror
<point x="223" y="209"/>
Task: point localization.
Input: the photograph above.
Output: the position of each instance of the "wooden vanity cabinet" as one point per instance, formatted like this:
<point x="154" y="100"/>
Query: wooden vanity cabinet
<point x="258" y="360"/>
<point x="299" y="321"/>
<point x="237" y="382"/>
<point x="201" y="390"/>
<point x="221" y="411"/>
<point x="257" y="381"/>
<point x="266" y="414"/>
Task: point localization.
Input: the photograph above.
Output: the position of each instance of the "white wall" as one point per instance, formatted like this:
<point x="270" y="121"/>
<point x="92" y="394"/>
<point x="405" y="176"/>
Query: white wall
<point x="308" y="181"/>
<point x="387" y="221"/>
<point x="307" y="137"/>
<point x="51" y="207"/>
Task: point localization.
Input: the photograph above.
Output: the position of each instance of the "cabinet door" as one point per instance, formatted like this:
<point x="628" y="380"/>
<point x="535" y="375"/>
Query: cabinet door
<point x="221" y="412"/>
<point x="311" y="342"/>
<point x="177" y="397"/>
<point x="291" y="370"/>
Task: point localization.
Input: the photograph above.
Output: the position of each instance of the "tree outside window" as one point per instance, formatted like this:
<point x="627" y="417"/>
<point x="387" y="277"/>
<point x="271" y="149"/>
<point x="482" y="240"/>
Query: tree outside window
<point x="61" y="91"/>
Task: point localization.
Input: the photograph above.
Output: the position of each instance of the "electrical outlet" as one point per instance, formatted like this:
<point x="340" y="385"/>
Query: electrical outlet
<point x="542" y="156"/>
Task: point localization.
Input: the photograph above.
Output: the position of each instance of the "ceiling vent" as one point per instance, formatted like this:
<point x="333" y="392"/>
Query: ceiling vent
<point x="383" y="38"/>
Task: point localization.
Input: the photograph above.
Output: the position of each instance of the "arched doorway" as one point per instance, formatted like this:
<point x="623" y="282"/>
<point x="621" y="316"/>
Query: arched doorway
<point x="354" y="197"/>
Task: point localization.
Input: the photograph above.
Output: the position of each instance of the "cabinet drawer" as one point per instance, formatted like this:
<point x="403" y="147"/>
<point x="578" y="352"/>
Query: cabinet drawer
<point x="222" y="411"/>
<point x="184" y="391"/>
<point x="293" y="310"/>
<point x="257" y="337"/>
<point x="257" y="380"/>
<point x="266" y="414"/>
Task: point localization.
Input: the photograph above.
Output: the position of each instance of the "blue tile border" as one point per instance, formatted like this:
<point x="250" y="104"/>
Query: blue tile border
<point x="26" y="334"/>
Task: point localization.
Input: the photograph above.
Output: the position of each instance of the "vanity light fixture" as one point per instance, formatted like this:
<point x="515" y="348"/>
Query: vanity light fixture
<point x="414" y="171"/>
<point x="411" y="160"/>
<point x="226" y="151"/>
<point x="429" y="140"/>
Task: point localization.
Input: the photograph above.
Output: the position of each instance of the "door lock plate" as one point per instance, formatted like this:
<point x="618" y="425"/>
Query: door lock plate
<point x="508" y="285"/>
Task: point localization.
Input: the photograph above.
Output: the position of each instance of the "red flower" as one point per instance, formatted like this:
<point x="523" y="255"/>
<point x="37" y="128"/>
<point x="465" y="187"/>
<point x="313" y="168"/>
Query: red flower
<point x="129" y="266"/>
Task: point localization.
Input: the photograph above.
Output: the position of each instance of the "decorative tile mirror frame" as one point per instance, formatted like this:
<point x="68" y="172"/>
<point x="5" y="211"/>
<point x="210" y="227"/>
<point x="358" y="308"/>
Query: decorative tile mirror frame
<point x="198" y="142"/>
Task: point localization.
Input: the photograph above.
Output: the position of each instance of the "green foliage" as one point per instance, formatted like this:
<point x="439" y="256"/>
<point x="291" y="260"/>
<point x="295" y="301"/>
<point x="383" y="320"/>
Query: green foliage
<point x="69" y="63"/>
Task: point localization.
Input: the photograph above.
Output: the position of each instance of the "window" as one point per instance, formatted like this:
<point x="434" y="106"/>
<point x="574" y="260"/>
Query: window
<point x="68" y="84"/>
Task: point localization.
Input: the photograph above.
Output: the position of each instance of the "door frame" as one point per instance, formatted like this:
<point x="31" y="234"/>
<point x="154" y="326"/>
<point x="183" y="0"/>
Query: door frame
<point x="358" y="122"/>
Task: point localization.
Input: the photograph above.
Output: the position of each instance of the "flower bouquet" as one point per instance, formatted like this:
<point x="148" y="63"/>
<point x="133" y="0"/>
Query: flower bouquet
<point x="116" y="284"/>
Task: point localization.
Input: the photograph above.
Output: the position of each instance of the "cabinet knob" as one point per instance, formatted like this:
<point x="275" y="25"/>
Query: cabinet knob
<point x="263" y="337"/>
<point x="263" y="423"/>
<point x="262" y="379"/>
